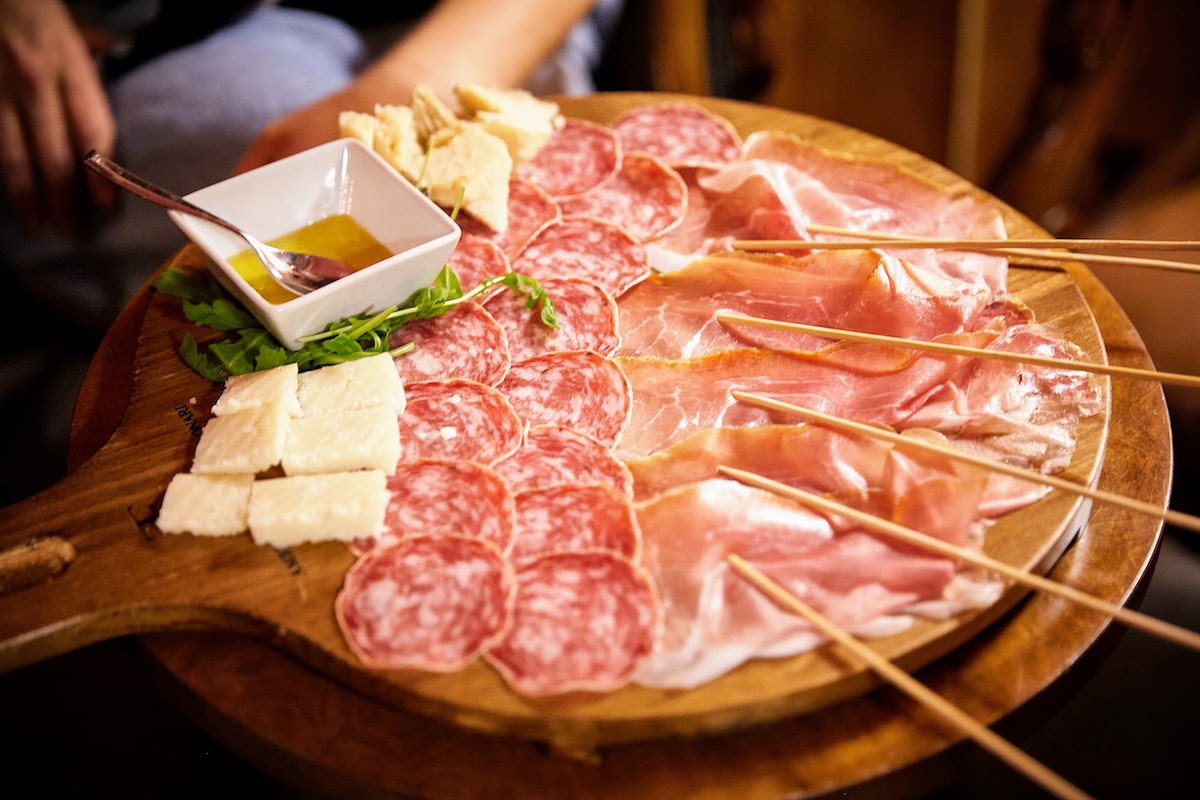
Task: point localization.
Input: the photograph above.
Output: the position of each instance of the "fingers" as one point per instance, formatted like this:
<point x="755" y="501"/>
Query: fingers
<point x="52" y="109"/>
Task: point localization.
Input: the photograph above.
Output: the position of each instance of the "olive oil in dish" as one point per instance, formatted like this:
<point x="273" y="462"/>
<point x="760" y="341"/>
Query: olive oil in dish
<point x="339" y="236"/>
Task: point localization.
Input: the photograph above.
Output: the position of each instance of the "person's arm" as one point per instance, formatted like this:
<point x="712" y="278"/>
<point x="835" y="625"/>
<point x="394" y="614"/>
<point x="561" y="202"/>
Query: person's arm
<point x="53" y="109"/>
<point x="459" y="41"/>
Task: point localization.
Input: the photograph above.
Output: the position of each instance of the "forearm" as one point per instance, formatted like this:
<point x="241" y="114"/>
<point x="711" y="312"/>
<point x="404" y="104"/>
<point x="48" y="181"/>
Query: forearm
<point x="476" y="41"/>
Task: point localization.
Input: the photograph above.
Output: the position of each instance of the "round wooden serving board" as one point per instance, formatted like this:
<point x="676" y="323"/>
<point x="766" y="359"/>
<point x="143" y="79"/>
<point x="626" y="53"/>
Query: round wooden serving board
<point x="802" y="725"/>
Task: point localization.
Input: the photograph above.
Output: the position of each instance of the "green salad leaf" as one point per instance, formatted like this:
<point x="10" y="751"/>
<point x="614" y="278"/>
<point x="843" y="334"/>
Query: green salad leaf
<point x="251" y="347"/>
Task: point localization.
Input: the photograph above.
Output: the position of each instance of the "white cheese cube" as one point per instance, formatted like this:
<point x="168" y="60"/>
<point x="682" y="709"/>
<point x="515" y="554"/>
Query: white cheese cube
<point x="364" y="438"/>
<point x="361" y="383"/>
<point x="310" y="508"/>
<point x="254" y="389"/>
<point x="242" y="442"/>
<point x="206" y="505"/>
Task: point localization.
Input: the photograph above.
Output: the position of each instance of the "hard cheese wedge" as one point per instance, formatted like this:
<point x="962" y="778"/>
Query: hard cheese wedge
<point x="308" y="508"/>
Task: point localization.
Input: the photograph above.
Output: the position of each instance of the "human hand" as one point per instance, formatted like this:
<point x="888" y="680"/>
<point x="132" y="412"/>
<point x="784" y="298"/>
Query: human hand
<point x="53" y="110"/>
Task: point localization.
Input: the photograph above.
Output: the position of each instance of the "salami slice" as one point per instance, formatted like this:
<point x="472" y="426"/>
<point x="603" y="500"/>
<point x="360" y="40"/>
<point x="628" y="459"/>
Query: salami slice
<point x="681" y="134"/>
<point x="578" y="156"/>
<point x="465" y="342"/>
<point x="645" y="197"/>
<point x="581" y="621"/>
<point x="458" y="419"/>
<point x="476" y="259"/>
<point x="428" y="602"/>
<point x="553" y="456"/>
<point x="574" y="518"/>
<point x="435" y="494"/>
<point x="589" y="248"/>
<point x="530" y="209"/>
<point x="586" y="316"/>
<point x="577" y="389"/>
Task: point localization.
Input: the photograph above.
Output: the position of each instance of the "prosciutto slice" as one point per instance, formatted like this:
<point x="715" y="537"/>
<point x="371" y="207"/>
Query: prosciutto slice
<point x="673" y="400"/>
<point x="870" y="196"/>
<point x="674" y="315"/>
<point x="715" y="620"/>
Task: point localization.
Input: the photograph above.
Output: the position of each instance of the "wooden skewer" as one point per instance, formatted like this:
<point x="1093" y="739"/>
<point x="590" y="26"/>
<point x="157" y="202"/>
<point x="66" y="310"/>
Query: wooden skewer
<point x="960" y="350"/>
<point x="1174" y="517"/>
<point x="1174" y="245"/>
<point x="1166" y="630"/>
<point x="988" y="739"/>
<point x="1052" y="249"/>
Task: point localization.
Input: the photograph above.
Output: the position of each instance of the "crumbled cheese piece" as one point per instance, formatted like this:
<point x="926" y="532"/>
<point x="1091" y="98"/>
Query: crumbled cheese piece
<point x="396" y="140"/>
<point x="358" y="125"/>
<point x="309" y="508"/>
<point x="254" y="389"/>
<point x="516" y="117"/>
<point x="360" y="383"/>
<point x="470" y="163"/>
<point x="242" y="442"/>
<point x="206" y="505"/>
<point x="364" y="438"/>
<point x="429" y="113"/>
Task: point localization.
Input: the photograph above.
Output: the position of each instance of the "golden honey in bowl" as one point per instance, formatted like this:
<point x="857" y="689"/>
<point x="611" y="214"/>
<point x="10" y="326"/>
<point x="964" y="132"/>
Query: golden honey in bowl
<point x="339" y="236"/>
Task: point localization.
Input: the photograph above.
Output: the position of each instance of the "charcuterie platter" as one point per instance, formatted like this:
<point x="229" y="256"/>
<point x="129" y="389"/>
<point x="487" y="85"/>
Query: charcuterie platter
<point x="134" y="580"/>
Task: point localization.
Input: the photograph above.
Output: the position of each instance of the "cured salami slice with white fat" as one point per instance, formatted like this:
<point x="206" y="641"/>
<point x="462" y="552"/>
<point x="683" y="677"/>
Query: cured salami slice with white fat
<point x="552" y="456"/>
<point x="435" y="494"/>
<point x="577" y="389"/>
<point x="426" y="602"/>
<point x="586" y="315"/>
<point x="589" y="248"/>
<point x="475" y="259"/>
<point x="578" y="156"/>
<point x="465" y="342"/>
<point x="530" y="209"/>
<point x="574" y="518"/>
<point x="458" y="419"/>
<point x="681" y="134"/>
<point x="581" y="622"/>
<point x="645" y="197"/>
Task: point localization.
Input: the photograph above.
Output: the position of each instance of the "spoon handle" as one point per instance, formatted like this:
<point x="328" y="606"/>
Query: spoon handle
<point x="149" y="191"/>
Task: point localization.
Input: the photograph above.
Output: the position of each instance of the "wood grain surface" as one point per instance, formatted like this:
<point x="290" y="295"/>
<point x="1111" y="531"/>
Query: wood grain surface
<point x="754" y="735"/>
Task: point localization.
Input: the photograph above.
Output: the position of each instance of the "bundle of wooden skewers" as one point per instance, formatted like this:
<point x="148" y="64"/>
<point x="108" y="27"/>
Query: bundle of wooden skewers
<point x="1044" y="253"/>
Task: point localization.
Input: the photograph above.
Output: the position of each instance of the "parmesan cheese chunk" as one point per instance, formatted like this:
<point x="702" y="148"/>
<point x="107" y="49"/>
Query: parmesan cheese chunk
<point x="364" y="438"/>
<point x="397" y="141"/>
<point x="361" y="383"/>
<point x="429" y="113"/>
<point x="523" y="122"/>
<point x="469" y="162"/>
<point x="206" y="505"/>
<point x="309" y="508"/>
<point x="358" y="125"/>
<point x="255" y="389"/>
<point x="242" y="442"/>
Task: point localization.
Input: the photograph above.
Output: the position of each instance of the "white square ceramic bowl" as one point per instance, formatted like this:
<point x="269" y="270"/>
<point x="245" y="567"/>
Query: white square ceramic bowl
<point x="340" y="177"/>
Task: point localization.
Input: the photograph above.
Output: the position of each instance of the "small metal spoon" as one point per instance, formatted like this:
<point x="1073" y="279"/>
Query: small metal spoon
<point x="298" y="272"/>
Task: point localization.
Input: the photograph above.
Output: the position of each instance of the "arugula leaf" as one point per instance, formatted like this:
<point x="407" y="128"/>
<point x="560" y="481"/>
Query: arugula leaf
<point x="205" y="303"/>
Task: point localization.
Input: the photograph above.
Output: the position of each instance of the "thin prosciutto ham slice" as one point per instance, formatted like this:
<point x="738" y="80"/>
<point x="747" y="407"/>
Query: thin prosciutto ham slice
<point x="879" y="197"/>
<point x="714" y="620"/>
<point x="674" y="315"/>
<point x="676" y="399"/>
